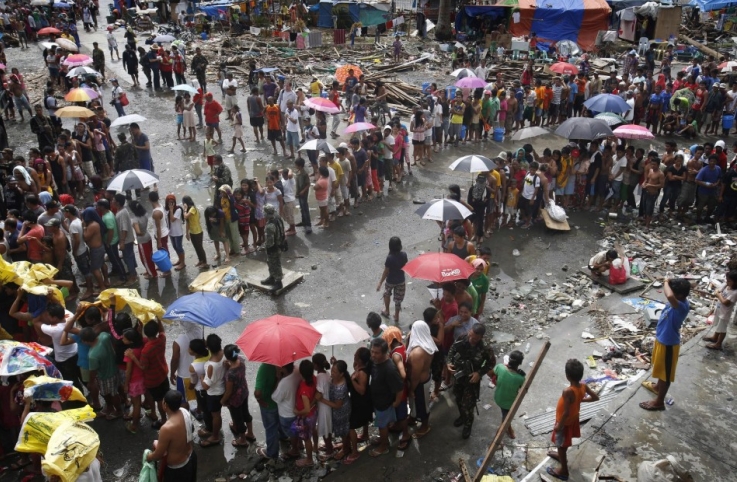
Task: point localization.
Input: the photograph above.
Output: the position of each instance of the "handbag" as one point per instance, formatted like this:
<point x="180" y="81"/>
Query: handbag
<point x="124" y="99"/>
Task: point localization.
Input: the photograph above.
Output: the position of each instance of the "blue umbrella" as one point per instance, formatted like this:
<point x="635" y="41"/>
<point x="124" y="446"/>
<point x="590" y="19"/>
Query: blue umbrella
<point x="607" y="103"/>
<point x="204" y="308"/>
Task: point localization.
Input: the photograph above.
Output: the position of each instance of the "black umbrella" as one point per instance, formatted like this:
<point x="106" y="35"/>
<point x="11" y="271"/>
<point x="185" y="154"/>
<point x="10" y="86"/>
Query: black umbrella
<point x="584" y="128"/>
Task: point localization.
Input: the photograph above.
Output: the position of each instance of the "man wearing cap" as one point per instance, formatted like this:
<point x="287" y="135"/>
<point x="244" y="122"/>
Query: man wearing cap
<point x="116" y="93"/>
<point x="274" y="233"/>
<point x="153" y="62"/>
<point x="98" y="59"/>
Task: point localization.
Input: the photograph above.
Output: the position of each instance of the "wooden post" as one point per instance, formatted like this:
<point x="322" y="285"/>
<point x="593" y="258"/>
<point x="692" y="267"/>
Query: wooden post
<point x="510" y="416"/>
<point x="699" y="46"/>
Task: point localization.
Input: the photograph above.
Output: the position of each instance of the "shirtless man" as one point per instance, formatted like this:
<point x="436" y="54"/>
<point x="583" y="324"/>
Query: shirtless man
<point x="654" y="181"/>
<point x="421" y="349"/>
<point x="62" y="257"/>
<point x="669" y="157"/>
<point x="175" y="442"/>
<point x="688" y="190"/>
<point x="93" y="237"/>
<point x="161" y="230"/>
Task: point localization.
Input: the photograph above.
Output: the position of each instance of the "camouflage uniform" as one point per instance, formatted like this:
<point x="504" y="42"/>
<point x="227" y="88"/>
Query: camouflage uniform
<point x="273" y="251"/>
<point x="482" y="360"/>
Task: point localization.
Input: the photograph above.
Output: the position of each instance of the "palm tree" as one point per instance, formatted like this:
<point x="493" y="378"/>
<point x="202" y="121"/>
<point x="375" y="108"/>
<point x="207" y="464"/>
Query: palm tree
<point x="442" y="29"/>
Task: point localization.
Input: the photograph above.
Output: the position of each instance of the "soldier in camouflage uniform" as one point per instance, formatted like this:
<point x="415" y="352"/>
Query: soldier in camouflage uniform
<point x="469" y="359"/>
<point x="274" y="236"/>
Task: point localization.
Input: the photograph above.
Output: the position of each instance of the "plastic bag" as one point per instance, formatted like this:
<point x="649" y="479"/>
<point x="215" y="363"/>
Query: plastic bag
<point x="617" y="273"/>
<point x="40" y="426"/>
<point x="556" y="212"/>
<point x="664" y="470"/>
<point x="71" y="449"/>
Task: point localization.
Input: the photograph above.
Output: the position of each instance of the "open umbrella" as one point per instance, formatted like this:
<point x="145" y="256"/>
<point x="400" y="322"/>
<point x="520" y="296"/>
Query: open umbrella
<point x="438" y="267"/>
<point x="185" y="88"/>
<point x="358" y="127"/>
<point x="133" y="179"/>
<point x="583" y="128"/>
<point x="278" y="340"/>
<point x="74" y="111"/>
<point x="564" y="68"/>
<point x="728" y="66"/>
<point x="610" y="118"/>
<point x="528" y="133"/>
<point x="48" y="31"/>
<point x="471" y="83"/>
<point x="340" y="332"/>
<point x="78" y="95"/>
<point x="204" y="308"/>
<point x="322" y="105"/>
<point x="341" y="73"/>
<point x="473" y="163"/>
<point x="67" y="45"/>
<point x="443" y="210"/>
<point x="683" y="93"/>
<point x="318" y="145"/>
<point x="463" y="73"/>
<point x="127" y="120"/>
<point x="164" y="39"/>
<point x="81" y="71"/>
<point x="607" y="103"/>
<point x="77" y="60"/>
<point x="632" y="131"/>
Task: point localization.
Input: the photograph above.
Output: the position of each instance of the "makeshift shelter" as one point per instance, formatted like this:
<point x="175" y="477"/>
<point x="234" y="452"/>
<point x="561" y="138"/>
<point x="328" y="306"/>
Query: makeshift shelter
<point x="491" y="12"/>
<point x="553" y="20"/>
<point x="709" y="5"/>
<point x="371" y="13"/>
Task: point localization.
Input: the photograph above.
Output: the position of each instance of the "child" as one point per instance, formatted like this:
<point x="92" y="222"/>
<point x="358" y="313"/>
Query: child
<point x="179" y="110"/>
<point x="340" y="403"/>
<point x="510" y="209"/>
<point x="209" y="148"/>
<point x="237" y="129"/>
<point x="133" y="378"/>
<point x="244" y="217"/>
<point x="509" y="379"/>
<point x="727" y="295"/>
<point x="152" y="362"/>
<point x="566" y="416"/>
<point x="667" y="341"/>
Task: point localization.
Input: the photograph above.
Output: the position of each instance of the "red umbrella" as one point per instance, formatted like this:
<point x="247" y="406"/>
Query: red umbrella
<point x="278" y="340"/>
<point x="48" y="31"/>
<point x="564" y="68"/>
<point x="438" y="267"/>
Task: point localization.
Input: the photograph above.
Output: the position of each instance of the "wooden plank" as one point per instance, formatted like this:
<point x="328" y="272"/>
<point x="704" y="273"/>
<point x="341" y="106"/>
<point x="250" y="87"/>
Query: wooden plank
<point x="255" y="271"/>
<point x="550" y="223"/>
<point x="628" y="287"/>
<point x="502" y="430"/>
<point x="699" y="46"/>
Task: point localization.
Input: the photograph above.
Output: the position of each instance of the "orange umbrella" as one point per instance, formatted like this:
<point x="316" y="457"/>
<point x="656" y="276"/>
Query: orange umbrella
<point x="77" y="95"/>
<point x="342" y="73"/>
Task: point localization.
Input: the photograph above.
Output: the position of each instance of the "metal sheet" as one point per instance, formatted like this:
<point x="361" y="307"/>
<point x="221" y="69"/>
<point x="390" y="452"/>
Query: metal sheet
<point x="544" y="422"/>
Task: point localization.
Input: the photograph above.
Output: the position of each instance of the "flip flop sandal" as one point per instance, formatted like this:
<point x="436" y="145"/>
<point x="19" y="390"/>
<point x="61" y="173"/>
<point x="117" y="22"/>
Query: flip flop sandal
<point x="235" y="443"/>
<point x="551" y="471"/>
<point x="209" y="443"/>
<point x="652" y="408"/>
<point x="649" y="386"/>
<point x="376" y="453"/>
<point x="419" y="435"/>
<point x="403" y="444"/>
<point x="350" y="459"/>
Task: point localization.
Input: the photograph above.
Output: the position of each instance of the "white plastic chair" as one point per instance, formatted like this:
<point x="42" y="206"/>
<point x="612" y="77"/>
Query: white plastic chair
<point x="643" y="45"/>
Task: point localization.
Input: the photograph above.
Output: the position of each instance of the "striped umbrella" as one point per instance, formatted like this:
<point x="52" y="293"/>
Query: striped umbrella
<point x="78" y="95"/>
<point x="443" y="210"/>
<point x="133" y="179"/>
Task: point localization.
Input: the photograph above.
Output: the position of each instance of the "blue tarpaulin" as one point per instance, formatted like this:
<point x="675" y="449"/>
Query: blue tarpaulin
<point x="479" y="11"/>
<point x="214" y="9"/>
<point x="709" y="5"/>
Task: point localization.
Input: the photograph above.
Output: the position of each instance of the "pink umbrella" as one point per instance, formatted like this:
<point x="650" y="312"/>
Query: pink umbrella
<point x="77" y="60"/>
<point x="359" y="126"/>
<point x="564" y="68"/>
<point x="632" y="131"/>
<point x="323" y="105"/>
<point x="2" y="66"/>
<point x="471" y="83"/>
<point x="91" y="92"/>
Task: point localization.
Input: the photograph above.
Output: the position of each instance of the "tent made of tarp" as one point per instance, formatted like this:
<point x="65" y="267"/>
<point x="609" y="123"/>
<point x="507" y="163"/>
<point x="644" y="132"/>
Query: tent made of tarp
<point x="575" y="20"/>
<point x="368" y="14"/>
<point x="493" y="13"/>
<point x="709" y="5"/>
<point x="215" y="9"/>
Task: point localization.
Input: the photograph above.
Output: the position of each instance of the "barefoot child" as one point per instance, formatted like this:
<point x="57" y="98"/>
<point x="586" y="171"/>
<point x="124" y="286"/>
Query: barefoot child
<point x="667" y="341"/>
<point x="510" y="208"/>
<point x="566" y="416"/>
<point x="237" y="129"/>
<point x="509" y="379"/>
<point x="727" y="295"/>
<point x="133" y="378"/>
<point x="209" y="149"/>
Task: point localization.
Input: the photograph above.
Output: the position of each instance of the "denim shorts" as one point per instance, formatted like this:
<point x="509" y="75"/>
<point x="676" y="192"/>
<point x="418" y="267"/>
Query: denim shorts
<point x="384" y="417"/>
<point x="285" y="426"/>
<point x="293" y="138"/>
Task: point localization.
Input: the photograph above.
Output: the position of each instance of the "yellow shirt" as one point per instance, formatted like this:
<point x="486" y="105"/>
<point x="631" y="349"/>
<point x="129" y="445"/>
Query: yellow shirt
<point x="540" y="96"/>
<point x="338" y="170"/>
<point x="512" y="197"/>
<point x="562" y="178"/>
<point x="316" y="88"/>
<point x="194" y="221"/>
<point x="495" y="180"/>
<point x="225" y="206"/>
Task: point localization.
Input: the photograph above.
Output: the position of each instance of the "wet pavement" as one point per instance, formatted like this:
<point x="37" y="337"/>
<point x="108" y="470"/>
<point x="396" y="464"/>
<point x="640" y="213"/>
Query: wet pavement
<point x="342" y="266"/>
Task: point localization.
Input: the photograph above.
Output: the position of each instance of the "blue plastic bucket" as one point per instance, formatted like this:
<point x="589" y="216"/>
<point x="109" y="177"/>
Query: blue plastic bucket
<point x="498" y="134"/>
<point x="324" y="95"/>
<point x="450" y="92"/>
<point x="727" y="121"/>
<point x="162" y="261"/>
<point x="426" y="87"/>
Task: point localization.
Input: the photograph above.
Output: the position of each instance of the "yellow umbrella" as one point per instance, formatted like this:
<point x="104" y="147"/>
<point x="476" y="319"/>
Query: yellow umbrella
<point x="143" y="309"/>
<point x="77" y="95"/>
<point x="70" y="450"/>
<point x="74" y="111"/>
<point x="38" y="427"/>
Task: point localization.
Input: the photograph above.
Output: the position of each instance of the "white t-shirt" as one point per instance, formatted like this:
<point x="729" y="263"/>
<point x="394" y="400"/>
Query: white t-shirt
<point x="162" y="223"/>
<point x="111" y="42"/>
<point x="285" y="394"/>
<point x="345" y="164"/>
<point x="531" y="183"/>
<point x="619" y="165"/>
<point x="331" y="178"/>
<point x="185" y="359"/>
<point x="725" y="312"/>
<point x="438" y="117"/>
<point x="284" y="98"/>
<point x="61" y="353"/>
<point x="289" y="186"/>
<point x="76" y="227"/>
<point x="229" y="83"/>
<point x="292" y="120"/>
<point x="630" y="113"/>
<point x="389" y="144"/>
<point x="176" y="227"/>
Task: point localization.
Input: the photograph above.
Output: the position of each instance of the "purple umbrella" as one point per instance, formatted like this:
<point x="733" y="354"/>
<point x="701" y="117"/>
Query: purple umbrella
<point x="471" y="83"/>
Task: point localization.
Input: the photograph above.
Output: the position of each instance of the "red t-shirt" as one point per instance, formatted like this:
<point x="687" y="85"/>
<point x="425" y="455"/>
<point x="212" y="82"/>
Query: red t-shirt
<point x="153" y="357"/>
<point x="449" y="310"/>
<point x="34" y="246"/>
<point x="309" y="391"/>
<point x="212" y="112"/>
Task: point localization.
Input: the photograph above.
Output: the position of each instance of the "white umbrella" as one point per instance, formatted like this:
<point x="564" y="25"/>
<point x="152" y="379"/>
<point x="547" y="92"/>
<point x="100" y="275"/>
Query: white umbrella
<point x="81" y="71"/>
<point x="529" y="132"/>
<point x="339" y="332"/>
<point x="127" y="120"/>
<point x="40" y="3"/>
<point x="473" y="163"/>
<point x="318" y="145"/>
<point x="443" y="210"/>
<point x="185" y="88"/>
<point x="164" y="39"/>
<point x="133" y="179"/>
<point x="461" y="73"/>
<point x="48" y="45"/>
<point x="67" y="45"/>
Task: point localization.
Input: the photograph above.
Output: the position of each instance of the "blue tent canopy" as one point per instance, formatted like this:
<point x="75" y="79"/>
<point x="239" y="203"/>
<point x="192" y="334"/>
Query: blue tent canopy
<point x="213" y="9"/>
<point x="709" y="5"/>
<point x="490" y="12"/>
